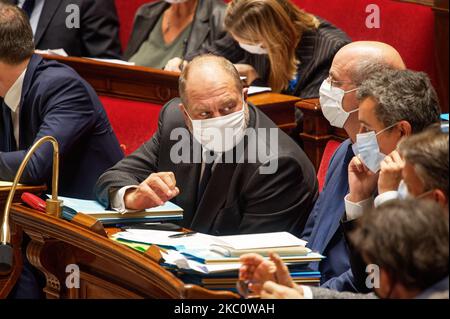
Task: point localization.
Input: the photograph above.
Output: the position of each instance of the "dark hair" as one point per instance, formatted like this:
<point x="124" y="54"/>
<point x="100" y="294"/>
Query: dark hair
<point x="402" y="95"/>
<point x="16" y="44"/>
<point x="408" y="239"/>
<point x="428" y="153"/>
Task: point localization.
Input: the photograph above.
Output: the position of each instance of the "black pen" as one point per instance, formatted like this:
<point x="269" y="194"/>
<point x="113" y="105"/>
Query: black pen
<point x="189" y="233"/>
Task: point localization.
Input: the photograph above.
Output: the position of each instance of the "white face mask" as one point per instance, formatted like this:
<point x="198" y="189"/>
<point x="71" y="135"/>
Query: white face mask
<point x="368" y="149"/>
<point x="331" y="103"/>
<point x="175" y="1"/>
<point x="402" y="191"/>
<point x="254" y="49"/>
<point x="220" y="134"/>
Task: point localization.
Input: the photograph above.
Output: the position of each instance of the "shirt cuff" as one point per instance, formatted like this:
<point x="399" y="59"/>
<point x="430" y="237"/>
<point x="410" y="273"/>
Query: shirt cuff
<point x="118" y="200"/>
<point x="307" y="292"/>
<point x="356" y="210"/>
<point x="385" y="197"/>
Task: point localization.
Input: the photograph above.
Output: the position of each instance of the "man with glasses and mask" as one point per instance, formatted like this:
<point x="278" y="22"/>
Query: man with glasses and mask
<point x="392" y="104"/>
<point x="219" y="196"/>
<point x="351" y="66"/>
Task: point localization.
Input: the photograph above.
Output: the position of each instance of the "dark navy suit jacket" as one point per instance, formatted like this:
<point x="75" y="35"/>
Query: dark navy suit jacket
<point x="324" y="231"/>
<point x="55" y="101"/>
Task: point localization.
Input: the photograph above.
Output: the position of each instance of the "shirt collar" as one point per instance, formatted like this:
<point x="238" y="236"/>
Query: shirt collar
<point x="14" y="94"/>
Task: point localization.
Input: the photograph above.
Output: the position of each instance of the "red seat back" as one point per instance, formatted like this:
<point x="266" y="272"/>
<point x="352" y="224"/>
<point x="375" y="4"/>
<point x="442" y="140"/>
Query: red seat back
<point x="407" y="27"/>
<point x="126" y="9"/>
<point x="133" y="122"/>
<point x="330" y="148"/>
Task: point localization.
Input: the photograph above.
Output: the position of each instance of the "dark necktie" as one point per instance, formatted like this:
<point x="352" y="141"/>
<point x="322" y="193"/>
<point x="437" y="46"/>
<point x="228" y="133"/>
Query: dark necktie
<point x="207" y="172"/>
<point x="28" y="7"/>
<point x="7" y="141"/>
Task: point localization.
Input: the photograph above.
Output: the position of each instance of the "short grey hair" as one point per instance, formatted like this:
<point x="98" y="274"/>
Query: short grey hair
<point x="402" y="95"/>
<point x="365" y="68"/>
<point x="428" y="153"/>
<point x="221" y="62"/>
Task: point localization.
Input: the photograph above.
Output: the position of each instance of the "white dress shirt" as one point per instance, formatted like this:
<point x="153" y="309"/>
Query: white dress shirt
<point x="12" y="100"/>
<point x="385" y="197"/>
<point x="35" y="15"/>
<point x="356" y="210"/>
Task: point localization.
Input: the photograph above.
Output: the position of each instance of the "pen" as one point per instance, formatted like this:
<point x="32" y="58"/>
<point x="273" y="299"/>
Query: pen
<point x="190" y="233"/>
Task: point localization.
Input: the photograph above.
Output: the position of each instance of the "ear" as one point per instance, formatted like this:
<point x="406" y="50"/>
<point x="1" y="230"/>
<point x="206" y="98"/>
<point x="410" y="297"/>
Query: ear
<point x="440" y="198"/>
<point x="405" y="128"/>
<point x="385" y="284"/>
<point x="183" y="111"/>
<point x="245" y="93"/>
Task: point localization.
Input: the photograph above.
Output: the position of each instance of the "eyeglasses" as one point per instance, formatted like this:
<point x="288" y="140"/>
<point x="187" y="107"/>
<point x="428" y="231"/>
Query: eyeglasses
<point x="335" y="83"/>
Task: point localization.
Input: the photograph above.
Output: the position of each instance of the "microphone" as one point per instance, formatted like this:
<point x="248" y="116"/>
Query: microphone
<point x="53" y="206"/>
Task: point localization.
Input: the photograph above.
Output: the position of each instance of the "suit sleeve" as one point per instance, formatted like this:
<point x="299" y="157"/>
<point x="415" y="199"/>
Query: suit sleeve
<point x="280" y="201"/>
<point x="132" y="170"/>
<point x="67" y="114"/>
<point x="353" y="279"/>
<point x="100" y="30"/>
<point x="312" y="217"/>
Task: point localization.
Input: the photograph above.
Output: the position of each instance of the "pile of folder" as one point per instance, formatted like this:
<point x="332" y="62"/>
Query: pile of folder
<point x="168" y="212"/>
<point x="213" y="261"/>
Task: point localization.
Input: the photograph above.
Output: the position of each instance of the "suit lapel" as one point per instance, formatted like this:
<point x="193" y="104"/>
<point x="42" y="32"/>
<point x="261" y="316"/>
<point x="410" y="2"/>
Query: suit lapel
<point x="48" y="11"/>
<point x="187" y="176"/>
<point x="200" y="28"/>
<point x="27" y="83"/>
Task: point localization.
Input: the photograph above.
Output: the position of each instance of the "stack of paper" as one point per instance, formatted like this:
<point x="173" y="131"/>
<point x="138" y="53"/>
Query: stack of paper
<point x="195" y="258"/>
<point x="167" y="212"/>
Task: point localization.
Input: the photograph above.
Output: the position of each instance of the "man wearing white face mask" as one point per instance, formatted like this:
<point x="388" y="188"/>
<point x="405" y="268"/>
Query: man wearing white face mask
<point x="418" y="169"/>
<point x="393" y="105"/>
<point x="351" y="66"/>
<point x="218" y="196"/>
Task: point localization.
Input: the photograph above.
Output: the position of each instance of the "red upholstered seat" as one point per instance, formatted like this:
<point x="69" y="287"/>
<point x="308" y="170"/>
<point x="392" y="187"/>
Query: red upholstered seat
<point x="133" y="122"/>
<point x="330" y="148"/>
<point x="406" y="26"/>
<point x="126" y="9"/>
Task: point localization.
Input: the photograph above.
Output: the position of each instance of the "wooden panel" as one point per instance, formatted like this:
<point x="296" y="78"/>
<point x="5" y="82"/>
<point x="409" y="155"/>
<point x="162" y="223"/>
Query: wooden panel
<point x="107" y="268"/>
<point x="316" y="130"/>
<point x="157" y="86"/>
<point x="123" y="81"/>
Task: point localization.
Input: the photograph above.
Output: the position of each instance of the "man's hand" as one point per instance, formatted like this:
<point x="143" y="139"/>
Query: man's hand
<point x="248" y="71"/>
<point x="390" y="173"/>
<point x="157" y="189"/>
<point x="272" y="290"/>
<point x="175" y="65"/>
<point x="362" y="182"/>
<point x="258" y="271"/>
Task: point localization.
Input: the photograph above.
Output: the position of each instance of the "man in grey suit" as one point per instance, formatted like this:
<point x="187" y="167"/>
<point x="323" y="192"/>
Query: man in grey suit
<point x="219" y="158"/>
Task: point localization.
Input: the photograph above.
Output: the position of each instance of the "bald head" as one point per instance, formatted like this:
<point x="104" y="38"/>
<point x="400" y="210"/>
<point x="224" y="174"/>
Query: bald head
<point x="357" y="60"/>
<point x="208" y="73"/>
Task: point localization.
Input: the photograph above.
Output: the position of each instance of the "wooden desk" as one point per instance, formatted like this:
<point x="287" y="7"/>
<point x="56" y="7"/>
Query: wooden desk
<point x="317" y="131"/>
<point x="107" y="268"/>
<point x="156" y="86"/>
<point x="8" y="282"/>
